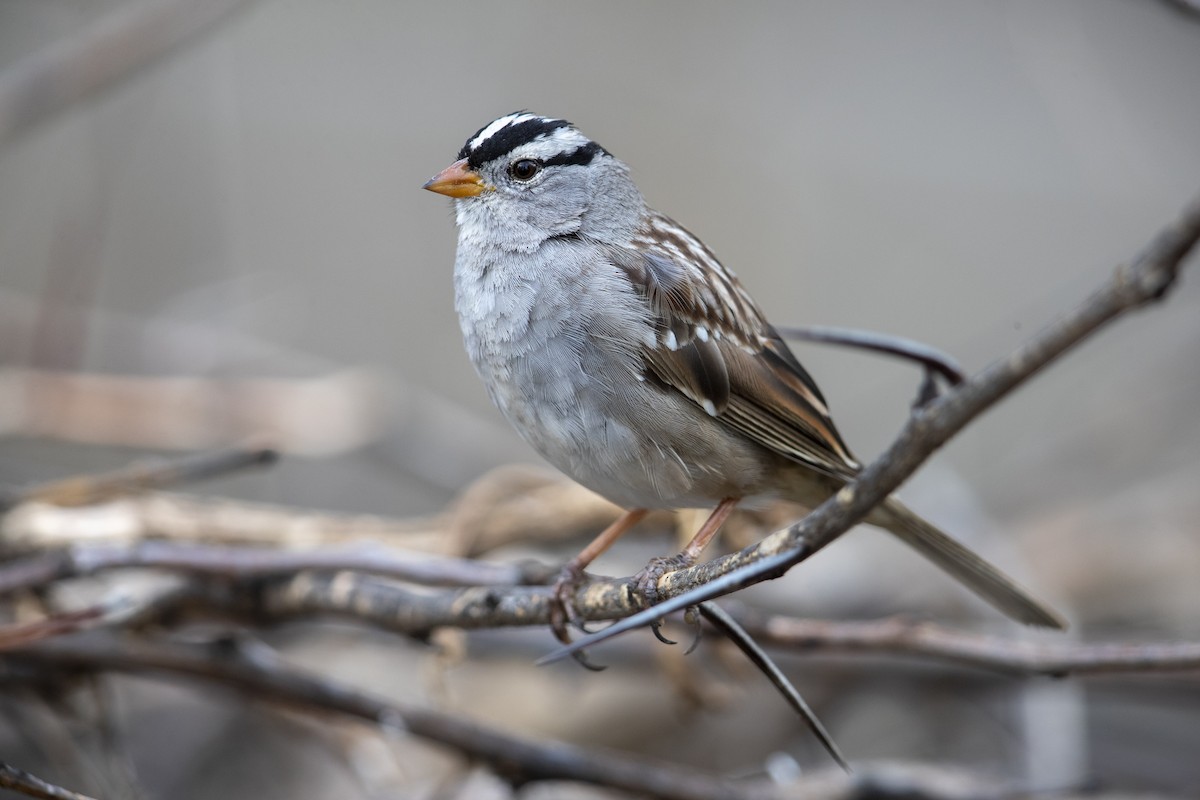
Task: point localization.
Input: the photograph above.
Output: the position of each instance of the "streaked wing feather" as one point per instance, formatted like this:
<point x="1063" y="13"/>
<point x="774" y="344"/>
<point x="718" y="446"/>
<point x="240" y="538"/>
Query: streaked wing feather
<point x="716" y="348"/>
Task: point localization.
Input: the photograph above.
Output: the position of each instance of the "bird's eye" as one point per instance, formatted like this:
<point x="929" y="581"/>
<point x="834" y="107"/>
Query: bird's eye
<point x="524" y="169"/>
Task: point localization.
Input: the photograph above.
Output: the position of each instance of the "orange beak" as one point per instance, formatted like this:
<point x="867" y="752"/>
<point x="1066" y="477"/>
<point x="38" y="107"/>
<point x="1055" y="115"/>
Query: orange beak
<point x="456" y="181"/>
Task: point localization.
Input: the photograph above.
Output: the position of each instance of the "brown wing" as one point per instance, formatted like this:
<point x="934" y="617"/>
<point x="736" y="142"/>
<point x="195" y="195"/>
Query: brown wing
<point x="715" y="347"/>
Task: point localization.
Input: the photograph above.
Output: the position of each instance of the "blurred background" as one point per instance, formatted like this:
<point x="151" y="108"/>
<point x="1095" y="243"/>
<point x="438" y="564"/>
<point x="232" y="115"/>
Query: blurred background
<point x="231" y="241"/>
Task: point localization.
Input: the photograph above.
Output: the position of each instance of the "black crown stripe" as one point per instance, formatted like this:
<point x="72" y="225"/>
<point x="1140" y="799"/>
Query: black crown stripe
<point x="508" y="138"/>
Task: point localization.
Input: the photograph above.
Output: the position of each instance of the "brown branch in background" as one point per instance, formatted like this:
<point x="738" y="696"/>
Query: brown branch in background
<point x="98" y="488"/>
<point x="265" y="678"/>
<point x="20" y="781"/>
<point x="930" y="642"/>
<point x="512" y="504"/>
<point x="256" y="673"/>
<point x="126" y="40"/>
<point x="70" y="622"/>
<point x="332" y="412"/>
<point x="1133" y="286"/>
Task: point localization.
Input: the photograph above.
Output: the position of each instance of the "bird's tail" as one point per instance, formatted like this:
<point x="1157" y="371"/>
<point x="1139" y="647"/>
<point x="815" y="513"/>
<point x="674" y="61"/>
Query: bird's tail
<point x="969" y="568"/>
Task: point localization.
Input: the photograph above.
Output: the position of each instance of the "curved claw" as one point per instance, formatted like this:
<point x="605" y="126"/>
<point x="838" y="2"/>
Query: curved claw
<point x="656" y="628"/>
<point x="580" y="656"/>
<point x="564" y="613"/>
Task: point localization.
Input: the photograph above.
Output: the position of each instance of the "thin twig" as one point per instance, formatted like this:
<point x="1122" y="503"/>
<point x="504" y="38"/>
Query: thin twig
<point x="927" y="641"/>
<point x="22" y="634"/>
<point x="83" y="490"/>
<point x="18" y="780"/>
<point x="1147" y="279"/>
<point x="934" y="361"/>
<point x="738" y="635"/>
<point x="127" y="39"/>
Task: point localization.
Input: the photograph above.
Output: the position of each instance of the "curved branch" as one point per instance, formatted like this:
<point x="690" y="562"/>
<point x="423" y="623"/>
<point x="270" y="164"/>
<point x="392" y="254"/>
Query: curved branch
<point x="934" y="361"/>
<point x="1146" y="279"/>
<point x="926" y="641"/>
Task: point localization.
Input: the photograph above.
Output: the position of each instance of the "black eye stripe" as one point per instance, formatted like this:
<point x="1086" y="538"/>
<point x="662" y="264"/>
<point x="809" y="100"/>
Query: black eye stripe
<point x="580" y="155"/>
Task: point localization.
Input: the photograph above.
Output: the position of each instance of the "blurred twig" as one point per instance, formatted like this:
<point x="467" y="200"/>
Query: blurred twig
<point x="20" y="781"/>
<point x="329" y="413"/>
<point x="927" y="641"/>
<point x="127" y="39"/>
<point x="266" y="678"/>
<point x="83" y="490"/>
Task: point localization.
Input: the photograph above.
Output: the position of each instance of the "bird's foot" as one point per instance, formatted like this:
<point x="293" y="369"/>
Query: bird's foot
<point x="645" y="583"/>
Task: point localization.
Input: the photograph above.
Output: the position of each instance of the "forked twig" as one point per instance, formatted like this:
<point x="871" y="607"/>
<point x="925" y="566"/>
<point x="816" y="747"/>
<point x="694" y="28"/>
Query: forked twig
<point x="934" y="362"/>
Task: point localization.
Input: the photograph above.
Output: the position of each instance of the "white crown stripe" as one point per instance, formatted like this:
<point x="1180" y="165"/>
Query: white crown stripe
<point x="498" y="125"/>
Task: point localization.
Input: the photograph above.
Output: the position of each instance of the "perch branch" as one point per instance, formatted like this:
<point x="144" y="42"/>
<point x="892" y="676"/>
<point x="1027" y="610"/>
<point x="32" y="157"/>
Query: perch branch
<point x="389" y="606"/>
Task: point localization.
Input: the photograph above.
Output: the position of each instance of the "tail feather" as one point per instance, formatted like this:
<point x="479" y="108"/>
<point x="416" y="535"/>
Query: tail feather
<point x="969" y="568"/>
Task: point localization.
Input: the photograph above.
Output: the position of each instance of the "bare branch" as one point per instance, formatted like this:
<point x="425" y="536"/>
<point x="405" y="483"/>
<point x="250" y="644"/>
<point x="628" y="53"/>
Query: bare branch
<point x="927" y="641"/>
<point x="935" y="362"/>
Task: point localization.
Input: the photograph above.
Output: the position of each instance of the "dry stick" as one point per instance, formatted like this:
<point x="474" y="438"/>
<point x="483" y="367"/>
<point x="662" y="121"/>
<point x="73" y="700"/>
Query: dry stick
<point x="18" y="780"/>
<point x="89" y="489"/>
<point x="25" y="633"/>
<point x="266" y="679"/>
<point x="119" y="609"/>
<point x="122" y="42"/>
<point x="892" y="637"/>
<point x="1148" y="278"/>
